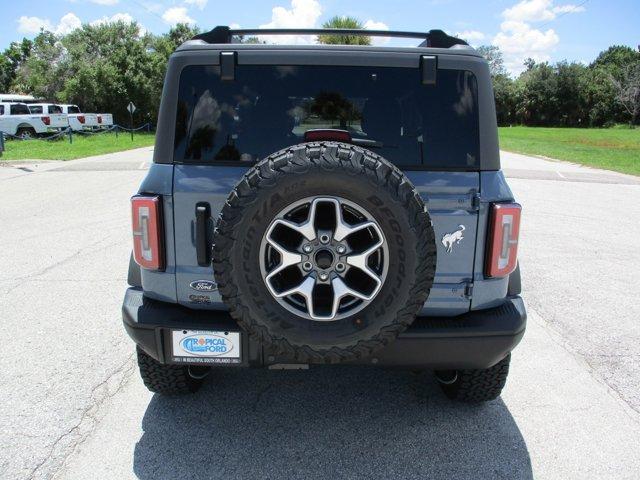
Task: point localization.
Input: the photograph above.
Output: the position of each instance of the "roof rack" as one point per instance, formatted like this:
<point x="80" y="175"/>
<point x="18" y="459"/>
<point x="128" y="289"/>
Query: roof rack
<point x="432" y="38"/>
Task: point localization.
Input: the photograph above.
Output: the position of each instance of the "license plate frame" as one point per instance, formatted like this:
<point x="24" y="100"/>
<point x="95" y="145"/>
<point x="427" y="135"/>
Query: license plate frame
<point x="208" y="347"/>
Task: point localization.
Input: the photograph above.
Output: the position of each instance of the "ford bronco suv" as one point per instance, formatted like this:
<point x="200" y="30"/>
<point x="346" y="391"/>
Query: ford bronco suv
<point x="325" y="204"/>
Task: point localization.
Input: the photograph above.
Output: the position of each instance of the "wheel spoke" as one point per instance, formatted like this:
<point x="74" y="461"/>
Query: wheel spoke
<point x="341" y="290"/>
<point x="287" y="259"/>
<point x="305" y="229"/>
<point x="360" y="261"/>
<point x="305" y="289"/>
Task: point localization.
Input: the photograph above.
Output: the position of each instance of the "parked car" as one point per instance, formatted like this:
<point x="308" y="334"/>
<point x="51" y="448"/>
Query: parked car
<point x="50" y="109"/>
<point x="326" y="204"/>
<point x="79" y="121"/>
<point x="16" y="98"/>
<point x="105" y="120"/>
<point x="18" y="119"/>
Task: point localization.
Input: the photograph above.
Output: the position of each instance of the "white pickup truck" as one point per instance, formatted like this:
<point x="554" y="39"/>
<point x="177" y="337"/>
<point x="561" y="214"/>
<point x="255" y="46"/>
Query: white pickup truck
<point x="105" y="120"/>
<point x="79" y="121"/>
<point x="17" y="119"/>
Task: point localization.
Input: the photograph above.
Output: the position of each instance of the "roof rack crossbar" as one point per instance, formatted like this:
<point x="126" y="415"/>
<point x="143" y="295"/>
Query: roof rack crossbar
<point x="432" y="38"/>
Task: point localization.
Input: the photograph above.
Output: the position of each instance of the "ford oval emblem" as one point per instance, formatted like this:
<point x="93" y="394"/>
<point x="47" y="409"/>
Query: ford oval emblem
<point x="203" y="286"/>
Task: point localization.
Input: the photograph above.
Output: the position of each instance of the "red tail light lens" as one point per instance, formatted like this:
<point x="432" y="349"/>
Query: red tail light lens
<point x="504" y="229"/>
<point x="81" y="118"/>
<point x="99" y="119"/>
<point x="148" y="249"/>
<point x="327" y="134"/>
<point x="46" y="120"/>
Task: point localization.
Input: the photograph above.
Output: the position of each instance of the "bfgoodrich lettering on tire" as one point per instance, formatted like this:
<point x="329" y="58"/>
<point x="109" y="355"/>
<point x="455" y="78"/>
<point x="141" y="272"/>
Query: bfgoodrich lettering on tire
<point x="325" y="252"/>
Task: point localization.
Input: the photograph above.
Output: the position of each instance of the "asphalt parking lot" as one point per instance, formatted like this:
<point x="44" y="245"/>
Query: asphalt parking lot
<point x="73" y="406"/>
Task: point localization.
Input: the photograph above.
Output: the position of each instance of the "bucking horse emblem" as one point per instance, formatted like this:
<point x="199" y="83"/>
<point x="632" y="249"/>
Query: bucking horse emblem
<point x="448" y="239"/>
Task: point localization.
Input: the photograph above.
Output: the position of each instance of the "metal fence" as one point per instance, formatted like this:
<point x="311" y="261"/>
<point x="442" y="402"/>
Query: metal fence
<point x="69" y="133"/>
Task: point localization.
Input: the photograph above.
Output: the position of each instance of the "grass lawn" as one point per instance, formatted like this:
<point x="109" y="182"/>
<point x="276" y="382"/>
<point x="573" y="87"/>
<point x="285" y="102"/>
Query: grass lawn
<point x="609" y="148"/>
<point x="82" y="146"/>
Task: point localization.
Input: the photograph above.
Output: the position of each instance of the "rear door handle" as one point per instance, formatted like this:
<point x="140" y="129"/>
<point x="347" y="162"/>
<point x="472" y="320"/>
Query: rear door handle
<point x="202" y="245"/>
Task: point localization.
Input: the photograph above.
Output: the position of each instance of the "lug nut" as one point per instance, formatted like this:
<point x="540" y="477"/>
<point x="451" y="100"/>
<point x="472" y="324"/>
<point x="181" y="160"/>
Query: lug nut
<point x="324" y="238"/>
<point x="306" y="266"/>
<point x="323" y="276"/>
<point x="341" y="249"/>
<point x="307" y="248"/>
<point x="340" y="267"/>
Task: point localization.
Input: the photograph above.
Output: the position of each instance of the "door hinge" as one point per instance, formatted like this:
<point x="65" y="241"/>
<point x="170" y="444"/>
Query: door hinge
<point x="429" y="67"/>
<point x="475" y="201"/>
<point x="468" y="290"/>
<point x="227" y="66"/>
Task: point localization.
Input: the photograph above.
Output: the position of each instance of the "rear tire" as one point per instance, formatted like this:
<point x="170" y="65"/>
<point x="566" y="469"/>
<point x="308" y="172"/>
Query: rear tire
<point x="475" y="385"/>
<point x="167" y="379"/>
<point x="26" y="133"/>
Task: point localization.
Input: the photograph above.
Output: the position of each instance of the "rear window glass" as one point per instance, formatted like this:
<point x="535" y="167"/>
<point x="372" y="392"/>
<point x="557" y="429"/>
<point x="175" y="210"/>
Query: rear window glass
<point x="19" y="109"/>
<point x="35" y="109"/>
<point x="55" y="109"/>
<point x="73" y="109"/>
<point x="267" y="108"/>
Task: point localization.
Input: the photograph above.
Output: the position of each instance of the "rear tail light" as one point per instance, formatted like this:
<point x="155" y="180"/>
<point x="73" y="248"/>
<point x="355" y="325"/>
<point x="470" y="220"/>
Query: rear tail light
<point x="46" y="120"/>
<point x="504" y="229"/>
<point x="327" y="134"/>
<point x="81" y="118"/>
<point x="148" y="250"/>
<point x="99" y="119"/>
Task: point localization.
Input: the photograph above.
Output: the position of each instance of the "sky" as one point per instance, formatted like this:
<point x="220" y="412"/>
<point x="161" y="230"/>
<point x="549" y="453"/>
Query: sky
<point x="545" y="30"/>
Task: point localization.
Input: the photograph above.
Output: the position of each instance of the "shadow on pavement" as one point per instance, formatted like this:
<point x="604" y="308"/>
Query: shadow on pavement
<point x="327" y="422"/>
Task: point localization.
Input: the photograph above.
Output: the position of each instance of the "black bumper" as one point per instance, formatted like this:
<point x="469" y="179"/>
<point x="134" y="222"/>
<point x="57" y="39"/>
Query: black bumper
<point x="478" y="339"/>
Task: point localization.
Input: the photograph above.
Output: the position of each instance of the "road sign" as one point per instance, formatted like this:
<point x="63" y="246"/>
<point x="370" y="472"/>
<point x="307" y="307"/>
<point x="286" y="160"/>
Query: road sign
<point x="132" y="108"/>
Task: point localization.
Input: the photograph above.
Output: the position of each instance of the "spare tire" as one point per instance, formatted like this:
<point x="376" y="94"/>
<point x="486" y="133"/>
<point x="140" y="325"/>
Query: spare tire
<point x="324" y="252"/>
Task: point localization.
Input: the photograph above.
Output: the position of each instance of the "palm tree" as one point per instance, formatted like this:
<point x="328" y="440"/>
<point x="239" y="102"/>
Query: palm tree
<point x="344" y="22"/>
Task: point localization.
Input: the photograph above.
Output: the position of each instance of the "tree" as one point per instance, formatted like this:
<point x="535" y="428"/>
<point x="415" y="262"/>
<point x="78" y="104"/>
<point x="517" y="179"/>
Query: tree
<point x="10" y="61"/>
<point x="572" y="109"/>
<point x="493" y="55"/>
<point x="627" y="89"/>
<point x="506" y="97"/>
<point x="110" y="64"/>
<point x="538" y="103"/>
<point x="38" y="72"/>
<point x="610" y="91"/>
<point x="344" y="22"/>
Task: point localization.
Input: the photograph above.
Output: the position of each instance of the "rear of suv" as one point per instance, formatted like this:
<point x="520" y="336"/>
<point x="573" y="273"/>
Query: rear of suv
<point x="325" y="205"/>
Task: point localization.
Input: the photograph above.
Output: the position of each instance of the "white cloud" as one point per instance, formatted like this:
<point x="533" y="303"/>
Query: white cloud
<point x="373" y="25"/>
<point x="176" y="15"/>
<point x="518" y="40"/>
<point x="302" y="14"/>
<point x="471" y="36"/>
<point x="118" y="17"/>
<point x="68" y="24"/>
<point x="538" y="11"/>
<point x="198" y="3"/>
<point x="97" y="2"/>
<point x="568" y="9"/>
<point x="32" y="25"/>
<point x="234" y="26"/>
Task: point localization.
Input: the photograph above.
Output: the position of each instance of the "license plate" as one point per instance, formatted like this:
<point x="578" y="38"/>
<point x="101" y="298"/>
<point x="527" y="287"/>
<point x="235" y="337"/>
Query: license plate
<point x="205" y="346"/>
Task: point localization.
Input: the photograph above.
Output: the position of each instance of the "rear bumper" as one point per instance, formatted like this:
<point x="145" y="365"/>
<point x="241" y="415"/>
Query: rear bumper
<point x="478" y="339"/>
